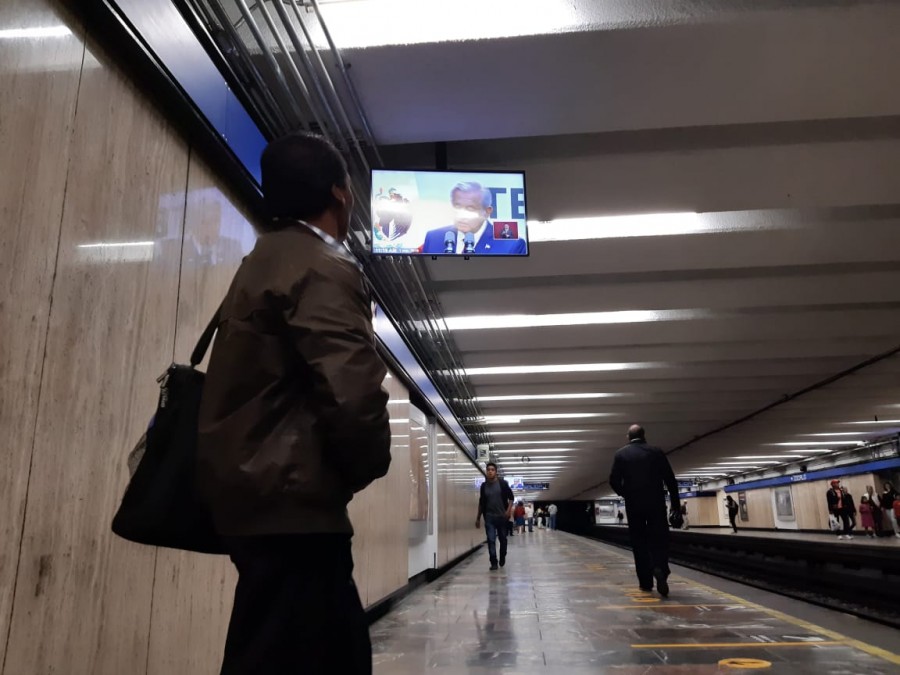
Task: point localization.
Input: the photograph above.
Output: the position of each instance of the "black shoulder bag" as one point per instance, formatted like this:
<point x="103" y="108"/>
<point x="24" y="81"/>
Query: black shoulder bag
<point x="161" y="506"/>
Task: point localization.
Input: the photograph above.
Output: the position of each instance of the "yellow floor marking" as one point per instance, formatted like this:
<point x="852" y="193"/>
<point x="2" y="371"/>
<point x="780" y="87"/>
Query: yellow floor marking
<point x="664" y="606"/>
<point x="645" y="601"/>
<point x="745" y="664"/>
<point x="806" y="625"/>
<point x="734" y="645"/>
<point x="800" y="623"/>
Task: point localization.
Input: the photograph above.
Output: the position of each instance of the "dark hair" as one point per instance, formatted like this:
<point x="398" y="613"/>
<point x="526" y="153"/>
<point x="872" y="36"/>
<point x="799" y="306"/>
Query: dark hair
<point x="298" y="172"/>
<point x="490" y="464"/>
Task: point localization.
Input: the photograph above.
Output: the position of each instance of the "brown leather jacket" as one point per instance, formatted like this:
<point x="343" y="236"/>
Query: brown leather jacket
<point x="293" y="419"/>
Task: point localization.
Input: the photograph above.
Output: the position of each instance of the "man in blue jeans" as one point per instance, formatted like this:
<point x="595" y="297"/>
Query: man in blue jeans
<point x="495" y="504"/>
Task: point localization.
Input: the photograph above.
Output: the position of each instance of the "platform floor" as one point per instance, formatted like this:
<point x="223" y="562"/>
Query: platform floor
<point x="566" y="604"/>
<point x="859" y="539"/>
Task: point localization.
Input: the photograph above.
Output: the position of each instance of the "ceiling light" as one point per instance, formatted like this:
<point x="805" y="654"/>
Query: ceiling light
<point x="398" y="420"/>
<point x="358" y="25"/>
<point x="481" y="322"/>
<point x="543" y="397"/>
<point x="819" y="442"/>
<point x="745" y="463"/>
<point x="562" y="368"/>
<point x="875" y="422"/>
<point x="770" y="457"/>
<point x="501" y="419"/>
<point x="539" y="431"/>
<point x="838" y="433"/>
<point x="535" y="442"/>
<point x="613" y="227"/>
<point x="34" y="33"/>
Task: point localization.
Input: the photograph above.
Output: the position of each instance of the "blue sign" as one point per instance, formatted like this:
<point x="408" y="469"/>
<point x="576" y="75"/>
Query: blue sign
<point x="835" y="472"/>
<point x="536" y="486"/>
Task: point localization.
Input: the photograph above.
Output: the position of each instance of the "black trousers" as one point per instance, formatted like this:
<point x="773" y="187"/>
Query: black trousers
<point x="649" y="532"/>
<point x="296" y="608"/>
<point x="732" y="518"/>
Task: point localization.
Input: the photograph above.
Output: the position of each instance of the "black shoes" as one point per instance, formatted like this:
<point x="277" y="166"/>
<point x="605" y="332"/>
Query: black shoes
<point x="502" y="562"/>
<point x="494" y="567"/>
<point x="647" y="589"/>
<point x="662" y="583"/>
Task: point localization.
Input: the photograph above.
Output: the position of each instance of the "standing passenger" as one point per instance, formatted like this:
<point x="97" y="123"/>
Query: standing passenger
<point x="837" y="506"/>
<point x="639" y="473"/>
<point x="733" y="509"/>
<point x="865" y="516"/>
<point x="293" y="422"/>
<point x="551" y="511"/>
<point x="529" y="516"/>
<point x="888" y="497"/>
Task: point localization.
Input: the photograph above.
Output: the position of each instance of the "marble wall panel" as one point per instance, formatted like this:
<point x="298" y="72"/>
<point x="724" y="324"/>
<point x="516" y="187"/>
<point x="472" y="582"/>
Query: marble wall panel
<point x="36" y="74"/>
<point x="193" y="593"/>
<point x="82" y="601"/>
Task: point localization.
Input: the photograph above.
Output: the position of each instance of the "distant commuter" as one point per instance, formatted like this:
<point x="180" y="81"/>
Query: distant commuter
<point x="838" y="507"/>
<point x="620" y="517"/>
<point x="685" y="523"/>
<point x="495" y="504"/>
<point x="293" y="422"/>
<point x="877" y="513"/>
<point x="888" y="500"/>
<point x="639" y="473"/>
<point x="472" y="230"/>
<point x="865" y="516"/>
<point x="733" y="510"/>
<point x="529" y="516"/>
<point x="519" y="516"/>
<point x="551" y="511"/>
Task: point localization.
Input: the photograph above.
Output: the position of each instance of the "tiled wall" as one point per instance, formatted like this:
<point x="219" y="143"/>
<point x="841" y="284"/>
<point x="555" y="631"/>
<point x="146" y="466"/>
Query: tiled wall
<point x="84" y="332"/>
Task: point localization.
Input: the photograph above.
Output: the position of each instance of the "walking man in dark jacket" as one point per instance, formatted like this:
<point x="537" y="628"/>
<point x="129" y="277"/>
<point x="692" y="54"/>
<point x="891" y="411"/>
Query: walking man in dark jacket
<point x="495" y="503"/>
<point x="293" y="422"/>
<point x="639" y="473"/>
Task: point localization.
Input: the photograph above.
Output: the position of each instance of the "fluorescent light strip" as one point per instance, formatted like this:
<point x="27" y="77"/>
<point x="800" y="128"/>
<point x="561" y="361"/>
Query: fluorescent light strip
<point x="769" y="462"/>
<point x="563" y="368"/>
<point x="539" y="431"/>
<point x="875" y="422"/>
<point x="771" y="457"/>
<point x="615" y="227"/>
<point x="534" y="442"/>
<point x="500" y="419"/>
<point x="33" y="33"/>
<point x="122" y="244"/>
<point x="544" y="397"/>
<point x="489" y="321"/>
<point x="838" y="433"/>
<point x="819" y="442"/>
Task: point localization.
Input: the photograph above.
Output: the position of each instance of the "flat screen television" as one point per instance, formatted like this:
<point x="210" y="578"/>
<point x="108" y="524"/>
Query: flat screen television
<point x="449" y="213"/>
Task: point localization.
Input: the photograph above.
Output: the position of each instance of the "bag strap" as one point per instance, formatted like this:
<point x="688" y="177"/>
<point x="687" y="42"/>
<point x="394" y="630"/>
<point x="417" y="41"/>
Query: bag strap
<point x="205" y="339"/>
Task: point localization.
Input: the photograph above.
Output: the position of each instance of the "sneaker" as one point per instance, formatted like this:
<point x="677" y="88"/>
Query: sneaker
<point x="897" y="535"/>
<point x="840" y="536"/>
<point x="849" y="536"/>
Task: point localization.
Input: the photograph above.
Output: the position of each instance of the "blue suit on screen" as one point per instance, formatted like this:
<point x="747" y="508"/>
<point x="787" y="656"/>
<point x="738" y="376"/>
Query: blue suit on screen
<point x="486" y="244"/>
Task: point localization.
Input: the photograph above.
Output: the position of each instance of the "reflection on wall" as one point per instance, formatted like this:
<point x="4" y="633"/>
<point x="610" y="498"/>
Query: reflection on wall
<point x="419" y="492"/>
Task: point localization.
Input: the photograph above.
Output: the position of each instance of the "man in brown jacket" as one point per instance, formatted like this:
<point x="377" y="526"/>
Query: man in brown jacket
<point x="293" y="422"/>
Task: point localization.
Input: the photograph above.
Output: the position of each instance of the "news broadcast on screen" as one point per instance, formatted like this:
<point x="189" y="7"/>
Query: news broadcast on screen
<point x="448" y="213"/>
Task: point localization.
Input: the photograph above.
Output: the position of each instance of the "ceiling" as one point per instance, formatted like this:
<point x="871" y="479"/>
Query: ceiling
<point x="766" y="132"/>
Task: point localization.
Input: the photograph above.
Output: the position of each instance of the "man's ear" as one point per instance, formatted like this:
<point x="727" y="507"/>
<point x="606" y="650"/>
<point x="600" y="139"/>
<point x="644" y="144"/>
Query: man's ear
<point x="488" y="210"/>
<point x="341" y="195"/>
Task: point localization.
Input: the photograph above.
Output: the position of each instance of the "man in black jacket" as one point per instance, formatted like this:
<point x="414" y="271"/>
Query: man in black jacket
<point x="495" y="504"/>
<point x="639" y="473"/>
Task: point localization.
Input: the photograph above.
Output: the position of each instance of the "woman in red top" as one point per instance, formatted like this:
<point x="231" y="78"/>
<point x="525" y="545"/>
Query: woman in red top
<point x="519" y="515"/>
